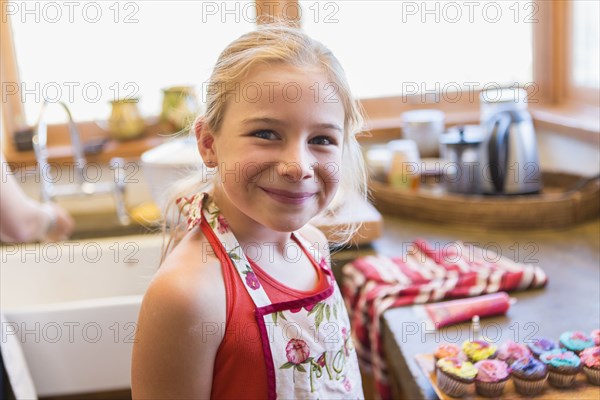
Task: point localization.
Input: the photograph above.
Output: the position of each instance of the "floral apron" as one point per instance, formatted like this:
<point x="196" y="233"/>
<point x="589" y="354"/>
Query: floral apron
<point x="306" y="342"/>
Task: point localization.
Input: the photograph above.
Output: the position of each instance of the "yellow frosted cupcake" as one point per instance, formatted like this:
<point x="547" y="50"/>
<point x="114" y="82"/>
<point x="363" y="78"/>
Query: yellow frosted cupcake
<point x="478" y="350"/>
<point x="455" y="375"/>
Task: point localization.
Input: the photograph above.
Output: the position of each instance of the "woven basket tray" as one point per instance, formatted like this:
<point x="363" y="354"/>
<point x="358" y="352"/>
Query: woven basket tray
<point x="555" y="207"/>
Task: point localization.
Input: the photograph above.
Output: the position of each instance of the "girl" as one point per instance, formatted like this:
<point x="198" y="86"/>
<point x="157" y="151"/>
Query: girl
<point x="245" y="305"/>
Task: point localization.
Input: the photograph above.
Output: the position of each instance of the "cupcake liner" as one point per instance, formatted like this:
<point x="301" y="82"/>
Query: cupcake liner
<point x="559" y="380"/>
<point x="450" y="386"/>
<point x="490" y="389"/>
<point x="528" y="388"/>
<point x="593" y="375"/>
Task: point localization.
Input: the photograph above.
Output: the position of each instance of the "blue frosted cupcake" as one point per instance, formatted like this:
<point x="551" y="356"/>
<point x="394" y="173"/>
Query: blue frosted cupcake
<point x="528" y="375"/>
<point x="541" y="345"/>
<point x="563" y="367"/>
<point x="575" y="341"/>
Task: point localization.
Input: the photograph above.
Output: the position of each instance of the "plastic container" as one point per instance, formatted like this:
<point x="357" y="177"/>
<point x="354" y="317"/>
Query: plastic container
<point x="378" y="159"/>
<point x="404" y="172"/>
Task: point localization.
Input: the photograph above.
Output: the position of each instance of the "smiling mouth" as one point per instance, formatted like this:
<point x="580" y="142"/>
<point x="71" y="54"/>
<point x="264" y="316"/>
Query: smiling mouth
<point x="288" y="197"/>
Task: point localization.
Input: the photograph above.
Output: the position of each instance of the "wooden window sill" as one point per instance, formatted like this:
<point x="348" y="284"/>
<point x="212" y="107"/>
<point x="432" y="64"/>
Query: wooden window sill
<point x="60" y="151"/>
<point x="578" y="122"/>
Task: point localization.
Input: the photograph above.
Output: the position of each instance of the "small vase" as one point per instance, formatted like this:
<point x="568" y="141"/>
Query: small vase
<point x="180" y="106"/>
<point x="125" y="120"/>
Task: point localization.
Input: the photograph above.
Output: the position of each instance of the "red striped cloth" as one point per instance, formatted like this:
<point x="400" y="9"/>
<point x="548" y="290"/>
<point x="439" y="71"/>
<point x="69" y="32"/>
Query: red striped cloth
<point x="426" y="273"/>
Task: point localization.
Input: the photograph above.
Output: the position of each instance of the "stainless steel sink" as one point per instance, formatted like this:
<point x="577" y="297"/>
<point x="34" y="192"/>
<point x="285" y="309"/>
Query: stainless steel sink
<point x="105" y="224"/>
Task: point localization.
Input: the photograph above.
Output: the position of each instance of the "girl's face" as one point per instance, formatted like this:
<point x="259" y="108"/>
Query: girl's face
<point x="279" y="148"/>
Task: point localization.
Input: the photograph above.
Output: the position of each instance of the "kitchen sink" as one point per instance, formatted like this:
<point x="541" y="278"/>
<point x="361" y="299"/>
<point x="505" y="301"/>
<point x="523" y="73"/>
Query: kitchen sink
<point x="105" y="225"/>
<point x="73" y="307"/>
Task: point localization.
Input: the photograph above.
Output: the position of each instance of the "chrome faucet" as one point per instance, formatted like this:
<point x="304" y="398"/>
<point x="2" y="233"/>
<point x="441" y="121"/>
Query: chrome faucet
<point x="81" y="186"/>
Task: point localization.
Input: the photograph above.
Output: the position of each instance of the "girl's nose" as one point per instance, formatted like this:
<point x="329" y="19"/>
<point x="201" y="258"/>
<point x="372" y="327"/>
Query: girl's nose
<point x="296" y="164"/>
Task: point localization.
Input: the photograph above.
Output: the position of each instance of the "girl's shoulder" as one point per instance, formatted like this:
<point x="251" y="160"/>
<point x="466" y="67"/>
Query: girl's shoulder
<point x="190" y="280"/>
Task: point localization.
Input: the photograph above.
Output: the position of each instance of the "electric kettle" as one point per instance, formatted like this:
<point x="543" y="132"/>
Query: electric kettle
<point x="509" y="161"/>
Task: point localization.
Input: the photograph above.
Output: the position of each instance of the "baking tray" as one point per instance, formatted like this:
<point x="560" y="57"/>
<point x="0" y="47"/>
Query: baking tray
<point x="581" y="389"/>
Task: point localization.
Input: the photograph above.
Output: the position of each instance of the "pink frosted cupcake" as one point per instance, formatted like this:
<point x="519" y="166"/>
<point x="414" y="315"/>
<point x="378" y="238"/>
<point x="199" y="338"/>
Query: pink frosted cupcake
<point x="563" y="367"/>
<point x="596" y="336"/>
<point x="454" y="376"/>
<point x="590" y="358"/>
<point x="491" y="377"/>
<point x="511" y="351"/>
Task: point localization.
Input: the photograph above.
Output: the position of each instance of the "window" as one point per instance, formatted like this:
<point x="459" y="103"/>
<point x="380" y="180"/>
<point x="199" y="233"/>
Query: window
<point x="390" y="48"/>
<point x="95" y="51"/>
<point x="586" y="48"/>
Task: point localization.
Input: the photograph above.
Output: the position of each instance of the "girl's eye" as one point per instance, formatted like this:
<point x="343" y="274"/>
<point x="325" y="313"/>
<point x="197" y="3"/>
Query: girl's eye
<point x="264" y="134"/>
<point x="323" y="140"/>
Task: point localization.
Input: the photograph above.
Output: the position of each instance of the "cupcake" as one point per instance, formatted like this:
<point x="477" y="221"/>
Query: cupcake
<point x="590" y="358"/>
<point x="541" y="345"/>
<point x="563" y="366"/>
<point x="596" y="336"/>
<point x="478" y="350"/>
<point x="575" y="341"/>
<point x="445" y="350"/>
<point x="511" y="351"/>
<point x="491" y="377"/>
<point x="455" y="375"/>
<point x="528" y="375"/>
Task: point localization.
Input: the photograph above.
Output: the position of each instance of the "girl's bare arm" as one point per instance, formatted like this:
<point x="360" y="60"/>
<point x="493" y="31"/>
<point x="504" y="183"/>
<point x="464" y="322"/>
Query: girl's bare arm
<point x="179" y="328"/>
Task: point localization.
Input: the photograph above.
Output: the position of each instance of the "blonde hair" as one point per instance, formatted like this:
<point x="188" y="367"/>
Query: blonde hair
<point x="272" y="44"/>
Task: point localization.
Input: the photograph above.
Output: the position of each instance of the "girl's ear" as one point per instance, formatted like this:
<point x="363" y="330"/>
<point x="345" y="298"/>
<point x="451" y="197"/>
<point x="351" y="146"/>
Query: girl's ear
<point x="205" y="140"/>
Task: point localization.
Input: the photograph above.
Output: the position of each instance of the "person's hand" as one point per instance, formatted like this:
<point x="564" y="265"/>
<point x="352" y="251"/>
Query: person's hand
<point x="63" y="224"/>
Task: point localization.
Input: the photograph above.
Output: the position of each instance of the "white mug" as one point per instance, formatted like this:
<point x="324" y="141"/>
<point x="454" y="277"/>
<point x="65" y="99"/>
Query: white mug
<point x="425" y="128"/>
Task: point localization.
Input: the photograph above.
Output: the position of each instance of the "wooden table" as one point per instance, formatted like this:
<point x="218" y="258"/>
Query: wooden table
<point x="571" y="301"/>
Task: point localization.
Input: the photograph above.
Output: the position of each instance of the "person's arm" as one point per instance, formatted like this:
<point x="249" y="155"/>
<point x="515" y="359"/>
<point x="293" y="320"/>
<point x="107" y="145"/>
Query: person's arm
<point x="23" y="219"/>
<point x="179" y="329"/>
